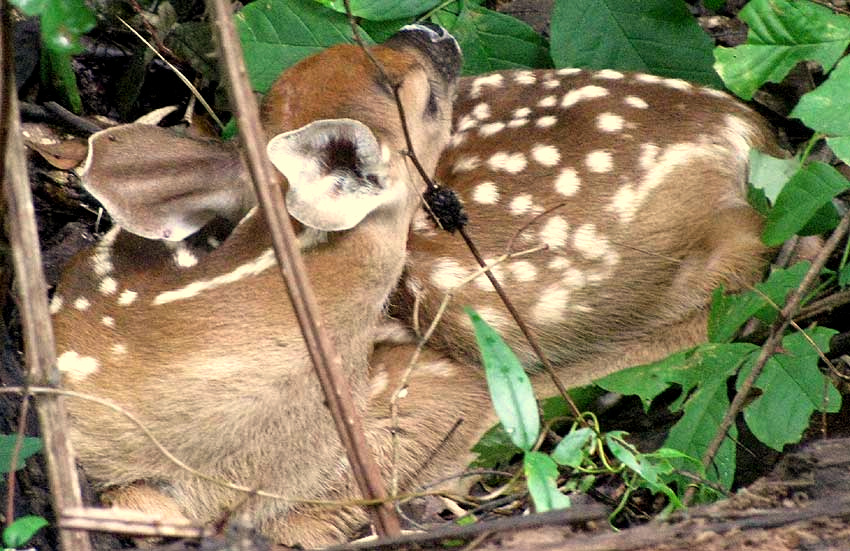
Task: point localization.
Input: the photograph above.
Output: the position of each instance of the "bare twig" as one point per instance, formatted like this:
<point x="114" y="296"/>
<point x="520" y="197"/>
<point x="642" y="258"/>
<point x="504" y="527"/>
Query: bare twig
<point x="32" y="295"/>
<point x="129" y="522"/>
<point x="325" y="359"/>
<point x="777" y="332"/>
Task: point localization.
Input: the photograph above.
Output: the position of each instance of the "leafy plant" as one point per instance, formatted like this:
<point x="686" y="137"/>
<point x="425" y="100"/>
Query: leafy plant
<point x="24" y="528"/>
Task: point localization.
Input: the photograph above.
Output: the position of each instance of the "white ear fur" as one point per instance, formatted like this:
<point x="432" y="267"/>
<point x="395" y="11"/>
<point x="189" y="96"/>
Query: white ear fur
<point x="160" y="185"/>
<point x="335" y="171"/>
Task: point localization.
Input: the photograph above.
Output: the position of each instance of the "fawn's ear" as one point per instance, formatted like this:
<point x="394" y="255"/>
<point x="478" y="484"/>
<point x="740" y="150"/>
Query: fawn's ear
<point x="336" y="173"/>
<point x="158" y="184"/>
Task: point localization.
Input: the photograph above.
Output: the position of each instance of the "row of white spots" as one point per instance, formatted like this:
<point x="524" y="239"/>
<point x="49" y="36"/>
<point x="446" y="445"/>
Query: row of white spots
<point x="567" y="184"/>
<point x="263" y="262"/>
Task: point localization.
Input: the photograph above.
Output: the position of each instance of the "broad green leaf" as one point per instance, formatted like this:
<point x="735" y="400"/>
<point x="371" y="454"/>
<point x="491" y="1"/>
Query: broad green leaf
<point x="541" y="474"/>
<point x="841" y="147"/>
<point x="824" y="109"/>
<point x="30" y="447"/>
<point x="495" y="449"/>
<point x="382" y="10"/>
<point x="793" y="388"/>
<point x="844" y="275"/>
<point x="771" y="174"/>
<point x="278" y="33"/>
<point x="806" y="193"/>
<point x="703" y="411"/>
<point x="21" y="531"/>
<point x="492" y="41"/>
<point x="571" y="451"/>
<point x="624" y="453"/>
<point x="781" y="34"/>
<point x="654" y="36"/>
<point x="510" y="388"/>
<point x="647" y="381"/>
<point x="729" y="312"/>
<point x="62" y="22"/>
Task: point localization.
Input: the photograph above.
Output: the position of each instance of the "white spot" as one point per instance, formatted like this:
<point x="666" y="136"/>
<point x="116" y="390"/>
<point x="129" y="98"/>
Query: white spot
<point x="546" y="155"/>
<point x="584" y="93"/>
<point x="568" y="71"/>
<point x="516" y="123"/>
<point x="524" y="77"/>
<point x="626" y="202"/>
<point x="559" y="263"/>
<point x="465" y="123"/>
<point x="521" y="204"/>
<point x="491" y="128"/>
<point x="438" y="368"/>
<point x="108" y="321"/>
<point x="599" y="161"/>
<point x="486" y="193"/>
<point x="493" y="80"/>
<point x="108" y="286"/>
<point x="568" y="182"/>
<point x="546" y="121"/>
<point x="448" y="274"/>
<point x="609" y="122"/>
<point x="466" y="164"/>
<point x="392" y="331"/>
<point x="550" y="84"/>
<point x="508" y="162"/>
<point x="457" y="139"/>
<point x="260" y="264"/>
<point x="184" y="258"/>
<point x="378" y="383"/>
<point x="386" y="153"/>
<point x="213" y="243"/>
<point x="636" y="102"/>
<point x="648" y="155"/>
<point x="119" y="349"/>
<point x="403" y="393"/>
<point x="609" y="74"/>
<point x="56" y="303"/>
<point x="481" y="111"/>
<point x="554" y="232"/>
<point x="552" y="304"/>
<point x="523" y="271"/>
<point x="548" y="101"/>
<point x="677" y="84"/>
<point x="522" y="113"/>
<point x="102" y="257"/>
<point x="127" y="297"/>
<point x="589" y="243"/>
<point x="649" y="79"/>
<point x="76" y="367"/>
<point x="82" y="304"/>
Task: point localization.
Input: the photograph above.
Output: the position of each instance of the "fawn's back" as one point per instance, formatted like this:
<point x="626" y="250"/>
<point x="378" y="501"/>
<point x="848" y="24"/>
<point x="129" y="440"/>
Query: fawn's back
<point x="636" y="186"/>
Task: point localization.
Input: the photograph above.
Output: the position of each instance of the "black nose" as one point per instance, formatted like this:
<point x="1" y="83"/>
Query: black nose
<point x="437" y="43"/>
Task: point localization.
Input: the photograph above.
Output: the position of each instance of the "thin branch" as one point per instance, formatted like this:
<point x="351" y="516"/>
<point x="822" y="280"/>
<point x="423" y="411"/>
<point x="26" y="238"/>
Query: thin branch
<point x="326" y="360"/>
<point x="32" y="295"/>
<point x="777" y="332"/>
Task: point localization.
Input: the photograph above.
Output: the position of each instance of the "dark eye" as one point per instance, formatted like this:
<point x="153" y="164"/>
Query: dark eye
<point x="432" y="107"/>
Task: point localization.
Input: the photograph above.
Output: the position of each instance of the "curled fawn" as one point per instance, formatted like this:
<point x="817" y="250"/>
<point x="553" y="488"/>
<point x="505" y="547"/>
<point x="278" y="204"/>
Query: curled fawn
<point x="636" y="186"/>
<point x="196" y="338"/>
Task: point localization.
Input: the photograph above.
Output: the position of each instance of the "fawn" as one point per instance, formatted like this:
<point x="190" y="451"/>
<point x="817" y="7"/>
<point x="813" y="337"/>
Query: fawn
<point x="636" y="185"/>
<point x="651" y="175"/>
<point x="197" y="339"/>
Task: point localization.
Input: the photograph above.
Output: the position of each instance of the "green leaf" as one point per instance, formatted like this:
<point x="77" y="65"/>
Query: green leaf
<point x="21" y="531"/>
<point x="729" y="312"/>
<point x="510" y="387"/>
<point x="30" y="447"/>
<point x="781" y="34"/>
<point x="276" y="34"/>
<point x="806" y="193"/>
<point x="844" y="275"/>
<point x="492" y="41"/>
<point x="771" y="174"/>
<point x="793" y="388"/>
<point x="647" y="381"/>
<point x="824" y="109"/>
<point x="495" y="449"/>
<point x="624" y="452"/>
<point x="382" y="10"/>
<point x="655" y="36"/>
<point x="571" y="450"/>
<point x="841" y="147"/>
<point x="541" y="474"/>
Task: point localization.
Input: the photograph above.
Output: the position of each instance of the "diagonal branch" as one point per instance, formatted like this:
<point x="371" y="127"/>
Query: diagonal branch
<point x="325" y="358"/>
